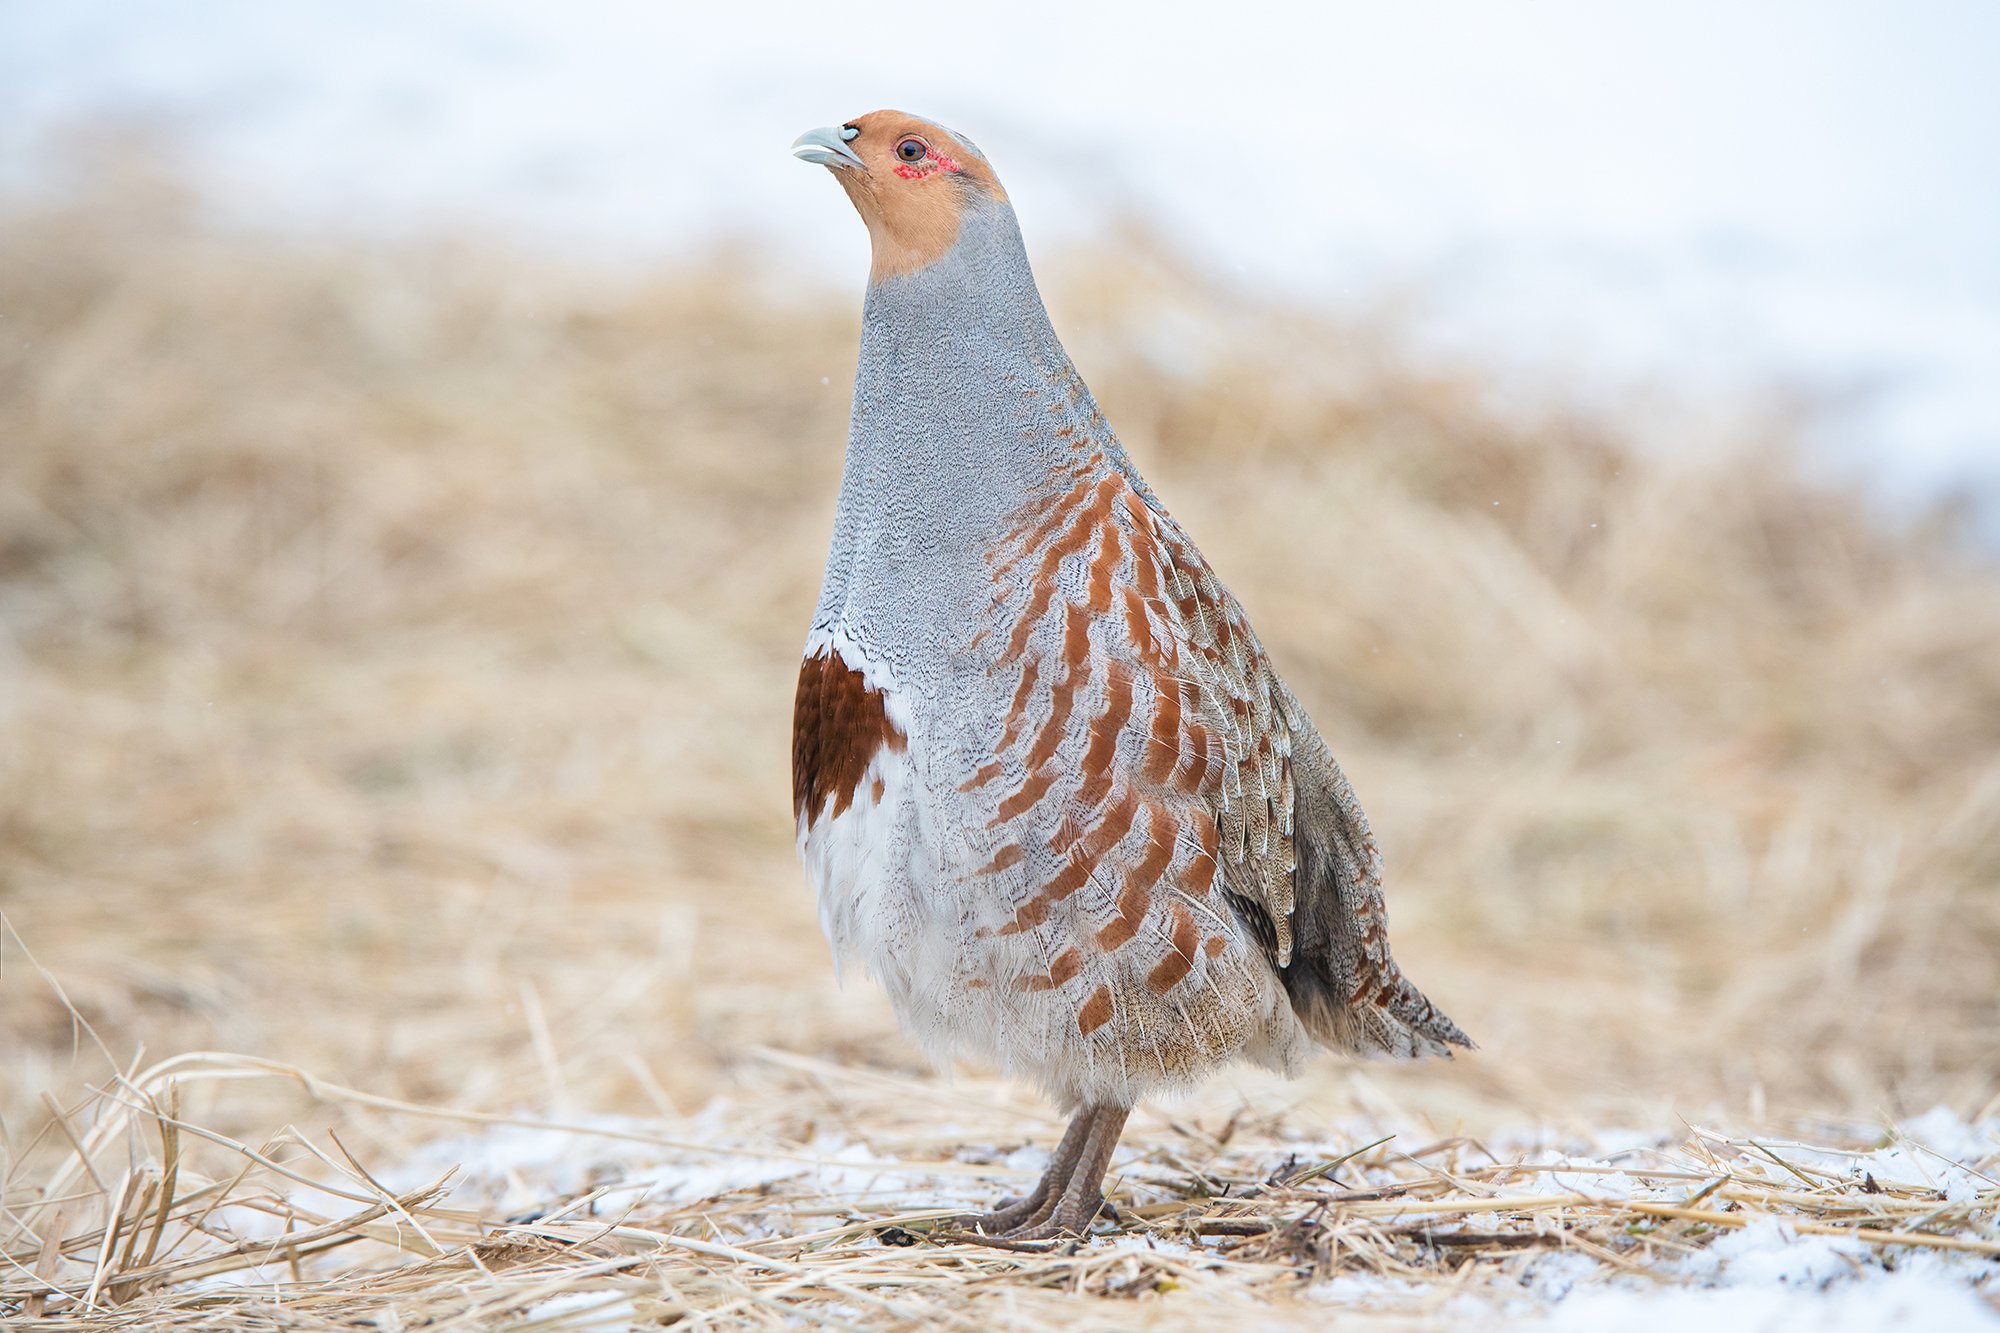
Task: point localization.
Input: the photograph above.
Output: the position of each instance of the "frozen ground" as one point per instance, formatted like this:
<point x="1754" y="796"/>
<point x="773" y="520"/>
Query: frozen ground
<point x="1765" y="1277"/>
<point x="826" y="1194"/>
<point x="1799" y="191"/>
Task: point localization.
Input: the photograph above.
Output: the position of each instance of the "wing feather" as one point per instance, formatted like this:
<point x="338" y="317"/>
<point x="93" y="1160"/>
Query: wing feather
<point x="1299" y="860"/>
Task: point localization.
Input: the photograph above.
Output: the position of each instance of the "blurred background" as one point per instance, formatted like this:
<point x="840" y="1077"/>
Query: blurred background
<point x="1597" y="410"/>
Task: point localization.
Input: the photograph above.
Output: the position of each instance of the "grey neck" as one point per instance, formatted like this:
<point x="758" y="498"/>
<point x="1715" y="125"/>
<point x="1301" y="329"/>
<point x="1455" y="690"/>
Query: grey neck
<point x="952" y="431"/>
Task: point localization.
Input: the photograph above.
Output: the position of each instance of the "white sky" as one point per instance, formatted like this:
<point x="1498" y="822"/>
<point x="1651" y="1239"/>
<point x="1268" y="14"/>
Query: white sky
<point x="1665" y="187"/>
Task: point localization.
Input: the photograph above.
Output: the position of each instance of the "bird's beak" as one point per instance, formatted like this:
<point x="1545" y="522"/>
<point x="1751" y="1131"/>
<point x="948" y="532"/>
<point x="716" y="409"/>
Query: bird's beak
<point x="827" y="146"/>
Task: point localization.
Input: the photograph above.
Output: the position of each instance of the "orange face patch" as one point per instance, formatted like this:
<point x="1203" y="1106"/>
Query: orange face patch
<point x="912" y="189"/>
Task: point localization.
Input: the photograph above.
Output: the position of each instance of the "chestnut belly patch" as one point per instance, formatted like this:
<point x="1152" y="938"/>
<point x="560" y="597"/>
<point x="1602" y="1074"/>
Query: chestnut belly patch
<point x="839" y="724"/>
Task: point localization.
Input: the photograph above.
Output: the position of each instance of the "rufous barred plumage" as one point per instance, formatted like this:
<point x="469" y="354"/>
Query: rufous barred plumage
<point x="1050" y="789"/>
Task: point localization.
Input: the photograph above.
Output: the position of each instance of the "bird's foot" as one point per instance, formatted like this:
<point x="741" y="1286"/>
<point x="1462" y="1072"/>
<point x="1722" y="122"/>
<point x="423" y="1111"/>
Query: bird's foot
<point x="1068" y="1220"/>
<point x="1007" y="1215"/>
<point x="1069" y="1195"/>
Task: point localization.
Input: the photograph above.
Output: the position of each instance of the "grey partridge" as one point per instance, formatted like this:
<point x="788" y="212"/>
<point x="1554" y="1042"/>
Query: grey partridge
<point x="1051" y="791"/>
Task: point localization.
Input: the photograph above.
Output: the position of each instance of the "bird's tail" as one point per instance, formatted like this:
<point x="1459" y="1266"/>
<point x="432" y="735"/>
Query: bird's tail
<point x="1343" y="982"/>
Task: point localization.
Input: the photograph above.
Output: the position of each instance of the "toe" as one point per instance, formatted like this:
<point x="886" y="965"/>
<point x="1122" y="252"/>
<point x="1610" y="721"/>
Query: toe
<point x="1010" y="1214"/>
<point x="1069" y="1219"/>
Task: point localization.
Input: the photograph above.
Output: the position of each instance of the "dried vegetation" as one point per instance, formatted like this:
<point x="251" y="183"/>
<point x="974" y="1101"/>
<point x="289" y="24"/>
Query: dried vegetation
<point x="395" y="648"/>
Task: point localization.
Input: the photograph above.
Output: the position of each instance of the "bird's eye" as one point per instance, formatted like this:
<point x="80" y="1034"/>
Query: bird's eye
<point x="913" y="150"/>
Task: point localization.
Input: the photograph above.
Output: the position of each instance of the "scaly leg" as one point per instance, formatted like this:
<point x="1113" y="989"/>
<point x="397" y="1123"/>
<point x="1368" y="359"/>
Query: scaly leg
<point x="1013" y="1212"/>
<point x="1067" y="1210"/>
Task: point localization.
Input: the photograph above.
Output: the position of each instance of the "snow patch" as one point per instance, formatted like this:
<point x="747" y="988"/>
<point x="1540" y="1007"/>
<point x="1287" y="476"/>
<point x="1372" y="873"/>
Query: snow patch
<point x="1938" y="1129"/>
<point x="1770" y="1251"/>
<point x="1898" y="1302"/>
<point x="600" y="1311"/>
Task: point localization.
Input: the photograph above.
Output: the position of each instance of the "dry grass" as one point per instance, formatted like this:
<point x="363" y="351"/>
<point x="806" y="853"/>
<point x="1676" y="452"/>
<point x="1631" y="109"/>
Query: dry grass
<point x="803" y="1213"/>
<point x="395" y="648"/>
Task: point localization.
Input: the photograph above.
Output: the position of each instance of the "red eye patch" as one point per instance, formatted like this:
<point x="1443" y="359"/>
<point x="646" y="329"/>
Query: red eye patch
<point x="916" y="171"/>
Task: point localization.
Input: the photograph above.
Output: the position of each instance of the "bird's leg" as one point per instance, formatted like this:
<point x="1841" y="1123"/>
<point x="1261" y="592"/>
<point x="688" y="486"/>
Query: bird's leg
<point x="1013" y="1212"/>
<point x="1069" y="1208"/>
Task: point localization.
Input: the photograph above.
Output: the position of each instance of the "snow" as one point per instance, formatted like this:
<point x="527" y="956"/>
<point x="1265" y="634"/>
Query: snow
<point x="1673" y="189"/>
<point x="1767" y="1277"/>
<point x="1554" y="1278"/>
<point x="1893" y="1302"/>
<point x="1945" y="1134"/>
<point x="518" y="1169"/>
<point x="1761" y="1278"/>
<point x="1770" y="1251"/>
<point x="1607" y="1188"/>
<point x="603" y="1311"/>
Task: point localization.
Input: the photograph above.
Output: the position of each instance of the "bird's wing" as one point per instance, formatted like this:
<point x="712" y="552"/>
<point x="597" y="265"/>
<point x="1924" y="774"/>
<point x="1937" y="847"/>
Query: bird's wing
<point x="1149" y="750"/>
<point x="1297" y="859"/>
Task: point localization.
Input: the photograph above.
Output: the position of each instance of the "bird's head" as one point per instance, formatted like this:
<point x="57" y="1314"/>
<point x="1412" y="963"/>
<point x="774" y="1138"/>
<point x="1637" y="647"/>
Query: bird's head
<point x="912" y="181"/>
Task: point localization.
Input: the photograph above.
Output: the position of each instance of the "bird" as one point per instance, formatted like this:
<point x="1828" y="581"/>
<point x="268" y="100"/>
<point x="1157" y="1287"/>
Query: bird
<point x="1051" y="792"/>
